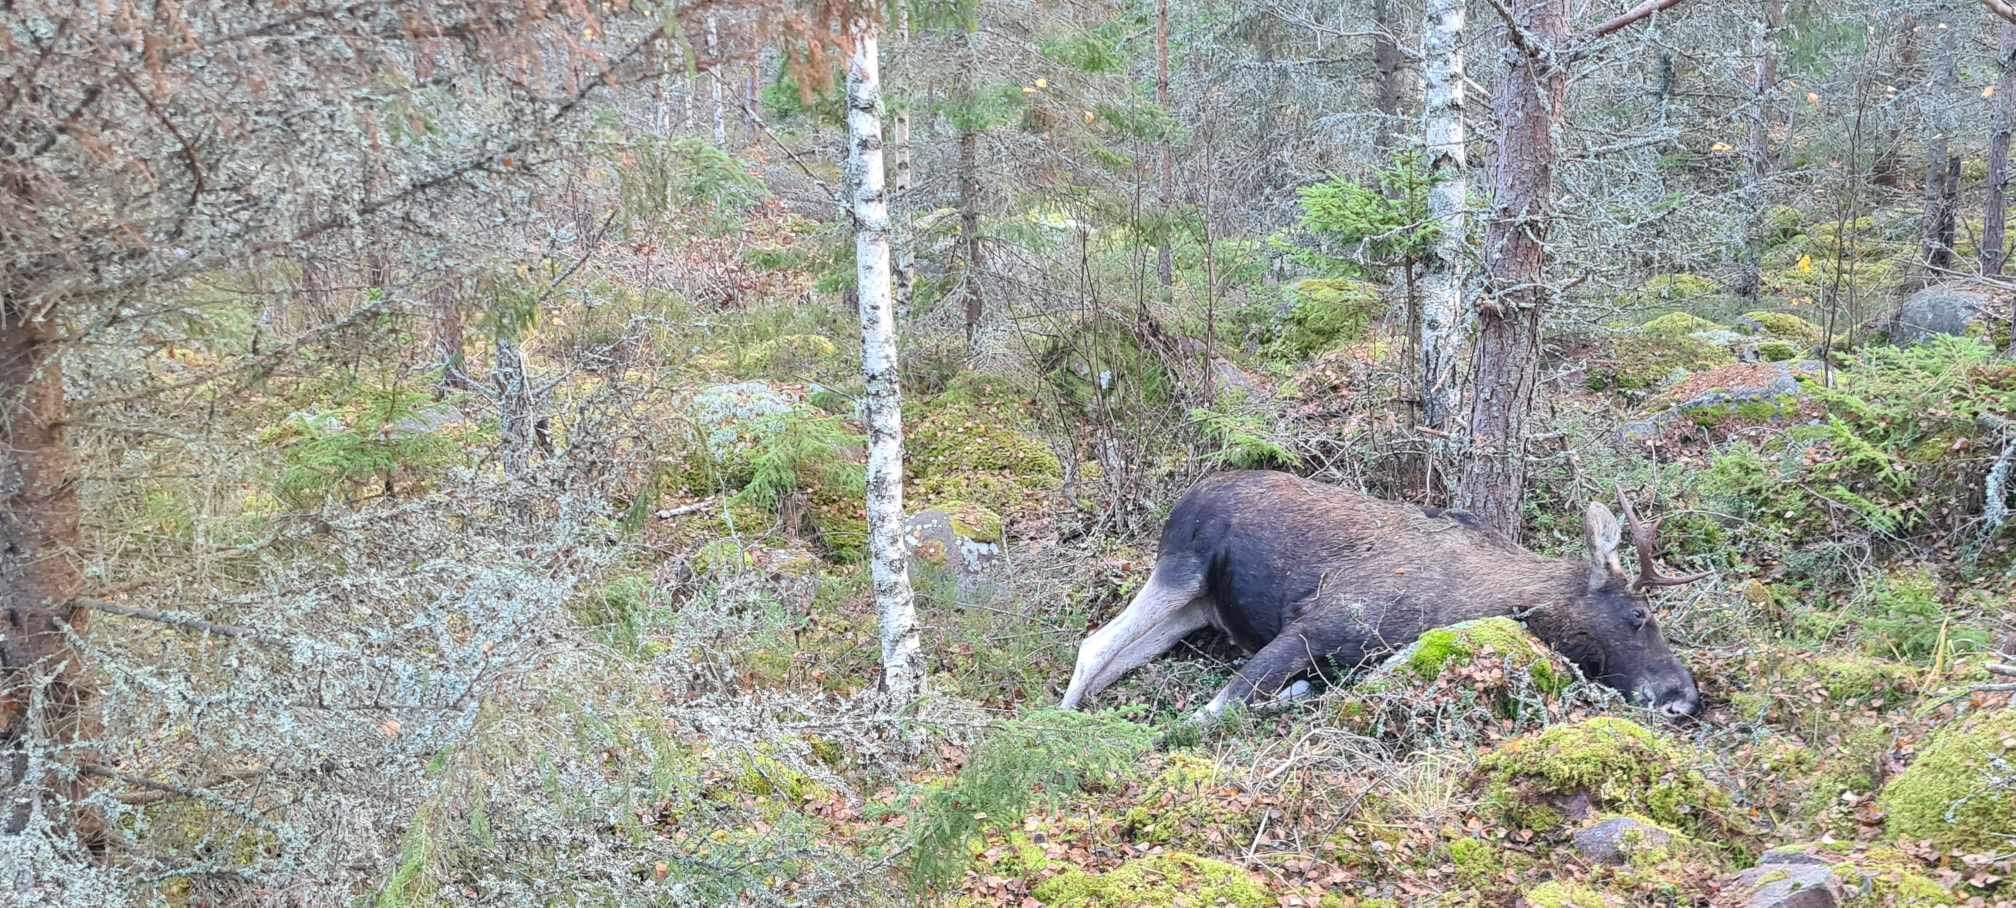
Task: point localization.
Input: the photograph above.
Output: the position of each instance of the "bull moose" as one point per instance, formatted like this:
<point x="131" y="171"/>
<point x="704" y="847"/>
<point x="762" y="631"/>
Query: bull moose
<point x="1300" y="573"/>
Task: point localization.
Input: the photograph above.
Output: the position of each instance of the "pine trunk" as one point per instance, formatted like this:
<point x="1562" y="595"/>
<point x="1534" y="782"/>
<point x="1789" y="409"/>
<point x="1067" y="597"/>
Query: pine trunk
<point x="895" y="606"/>
<point x="1505" y="367"/>
<point x="1935" y="237"/>
<point x="714" y="83"/>
<point x="1994" y="245"/>
<point x="45" y="697"/>
<point x="1438" y="329"/>
<point x="1764" y="55"/>
<point x="1165" y="267"/>
<point x="969" y="191"/>
<point x="1386" y="66"/>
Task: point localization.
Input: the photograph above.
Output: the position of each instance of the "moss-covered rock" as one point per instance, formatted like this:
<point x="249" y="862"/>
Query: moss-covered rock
<point x="1960" y="793"/>
<point x="1878" y="876"/>
<point x="1326" y="313"/>
<point x="1781" y="326"/>
<point x="1559" y="894"/>
<point x="1678" y="324"/>
<point x="1499" y="639"/>
<point x="1644" y="360"/>
<point x="972" y="450"/>
<point x="1170" y="878"/>
<point x="1544" y="781"/>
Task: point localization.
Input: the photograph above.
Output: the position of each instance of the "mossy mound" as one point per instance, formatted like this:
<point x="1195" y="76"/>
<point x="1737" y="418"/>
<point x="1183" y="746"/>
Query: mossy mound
<point x="1167" y="879"/>
<point x="1475" y="679"/>
<point x="1960" y="793"/>
<point x="791" y="356"/>
<point x="1645" y="360"/>
<point x="1177" y="809"/>
<point x="1487" y="638"/>
<point x="1782" y="326"/>
<point x="1875" y="876"/>
<point x="972" y="449"/>
<point x="1678" y="324"/>
<point x="1541" y="782"/>
<point x="1557" y="894"/>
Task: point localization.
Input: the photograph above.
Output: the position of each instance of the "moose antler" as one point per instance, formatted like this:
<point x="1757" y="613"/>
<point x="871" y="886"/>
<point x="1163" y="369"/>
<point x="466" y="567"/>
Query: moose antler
<point x="1646" y="540"/>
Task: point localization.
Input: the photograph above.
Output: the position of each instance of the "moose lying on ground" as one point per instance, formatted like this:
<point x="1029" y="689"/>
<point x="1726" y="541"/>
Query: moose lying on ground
<point x="1295" y="572"/>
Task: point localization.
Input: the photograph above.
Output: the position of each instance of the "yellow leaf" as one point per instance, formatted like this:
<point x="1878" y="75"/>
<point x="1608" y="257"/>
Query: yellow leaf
<point x="1027" y="90"/>
<point x="1042" y="83"/>
<point x="1988" y="91"/>
<point x="1088" y="117"/>
<point x="1721" y="148"/>
<point x="1805" y="265"/>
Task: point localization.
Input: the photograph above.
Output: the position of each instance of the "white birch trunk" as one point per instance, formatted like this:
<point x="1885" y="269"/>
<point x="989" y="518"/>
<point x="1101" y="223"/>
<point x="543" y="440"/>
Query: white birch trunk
<point x="1439" y="331"/>
<point x="895" y="607"/>
<point x="714" y="82"/>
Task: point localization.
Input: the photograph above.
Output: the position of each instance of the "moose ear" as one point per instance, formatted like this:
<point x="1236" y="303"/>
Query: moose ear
<point x="1601" y="533"/>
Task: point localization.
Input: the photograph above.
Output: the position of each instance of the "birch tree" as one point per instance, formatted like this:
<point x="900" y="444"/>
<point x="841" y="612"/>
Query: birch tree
<point x="714" y="83"/>
<point x="1438" y="330"/>
<point x="1757" y="170"/>
<point x="895" y="605"/>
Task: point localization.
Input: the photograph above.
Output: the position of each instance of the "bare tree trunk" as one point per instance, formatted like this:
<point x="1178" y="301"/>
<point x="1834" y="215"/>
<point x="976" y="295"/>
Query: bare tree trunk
<point x="1764" y="53"/>
<point x="1438" y="329"/>
<point x="895" y="606"/>
<point x="969" y="189"/>
<point x="448" y="335"/>
<point x="1165" y="267"/>
<point x="1505" y="367"/>
<point x="1994" y="245"/>
<point x="1888" y="167"/>
<point x="45" y="696"/>
<point x="1386" y="66"/>
<point x="1941" y="192"/>
<point x="516" y="423"/>
<point x="714" y="84"/>
<point x="903" y="275"/>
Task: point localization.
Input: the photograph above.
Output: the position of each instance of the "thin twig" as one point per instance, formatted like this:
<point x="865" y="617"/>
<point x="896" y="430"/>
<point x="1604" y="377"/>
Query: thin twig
<point x="178" y="620"/>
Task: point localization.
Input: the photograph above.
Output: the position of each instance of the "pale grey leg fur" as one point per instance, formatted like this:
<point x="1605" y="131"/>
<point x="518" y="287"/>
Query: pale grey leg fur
<point x="1160" y="615"/>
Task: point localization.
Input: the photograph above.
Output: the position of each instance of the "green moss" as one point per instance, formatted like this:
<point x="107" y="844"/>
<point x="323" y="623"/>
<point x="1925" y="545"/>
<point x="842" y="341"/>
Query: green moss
<point x="1779" y="351"/>
<point x="1853" y="679"/>
<point x="1677" y="325"/>
<point x="1781" y="223"/>
<point x="1021" y="858"/>
<point x="1783" y="326"/>
<point x="1557" y="894"/>
<point x="970" y="448"/>
<point x="791" y="355"/>
<point x="1640" y="361"/>
<point x="1167" y="879"/>
<point x="842" y="525"/>
<point x="1619" y="764"/>
<point x="1960" y="793"/>
<point x="974" y="521"/>
<point x="1491" y="638"/>
<point x="1476" y="860"/>
<point x="1893" y="878"/>
<point x="1175" y="808"/>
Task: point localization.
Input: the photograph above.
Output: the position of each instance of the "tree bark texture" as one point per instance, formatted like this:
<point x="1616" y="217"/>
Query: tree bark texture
<point x="895" y="605"/>
<point x="903" y="273"/>
<point x="1438" y="330"/>
<point x="1994" y="245"/>
<point x="1504" y="368"/>
<point x="969" y="191"/>
<point x="1941" y="193"/>
<point x="45" y="695"/>
<point x="1758" y="163"/>
<point x="1387" y="64"/>
<point x="1165" y="266"/>
<point x="714" y="83"/>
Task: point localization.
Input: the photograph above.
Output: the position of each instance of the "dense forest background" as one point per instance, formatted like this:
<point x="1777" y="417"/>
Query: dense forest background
<point x="485" y="452"/>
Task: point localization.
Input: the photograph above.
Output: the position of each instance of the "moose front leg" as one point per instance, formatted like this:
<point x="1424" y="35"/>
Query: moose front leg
<point x="1270" y="670"/>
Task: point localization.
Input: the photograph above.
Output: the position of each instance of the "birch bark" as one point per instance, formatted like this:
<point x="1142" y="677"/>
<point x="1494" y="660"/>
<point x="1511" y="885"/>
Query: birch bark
<point x="895" y="605"/>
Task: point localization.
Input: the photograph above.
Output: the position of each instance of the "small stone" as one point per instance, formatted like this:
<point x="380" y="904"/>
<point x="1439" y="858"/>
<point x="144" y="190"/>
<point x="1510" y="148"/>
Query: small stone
<point x="1784" y="886"/>
<point x="1614" y="840"/>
